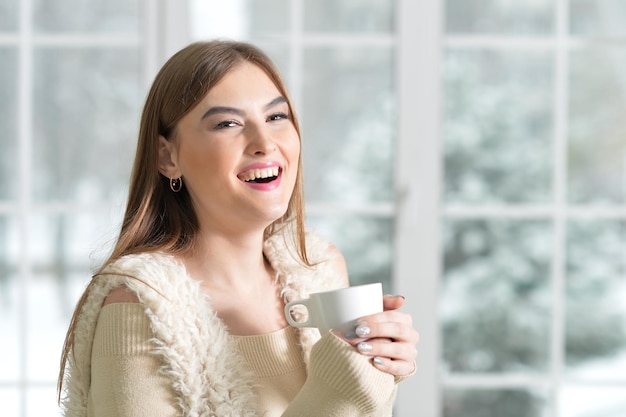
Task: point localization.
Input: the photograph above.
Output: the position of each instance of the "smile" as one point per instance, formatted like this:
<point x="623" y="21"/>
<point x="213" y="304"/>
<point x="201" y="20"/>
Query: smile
<point x="260" y="176"/>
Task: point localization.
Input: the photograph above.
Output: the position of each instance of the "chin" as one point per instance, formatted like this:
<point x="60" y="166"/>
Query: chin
<point x="278" y="212"/>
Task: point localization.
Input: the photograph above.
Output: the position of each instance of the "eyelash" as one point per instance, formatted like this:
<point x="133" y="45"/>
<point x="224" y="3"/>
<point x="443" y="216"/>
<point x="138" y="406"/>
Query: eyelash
<point x="226" y="124"/>
<point x="231" y="123"/>
<point x="278" y="116"/>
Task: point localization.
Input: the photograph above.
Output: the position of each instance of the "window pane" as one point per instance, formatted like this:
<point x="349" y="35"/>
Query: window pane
<point x="348" y="124"/>
<point x="10" y="400"/>
<point x="605" y="401"/>
<point x="499" y="16"/>
<point x="8" y="16"/>
<point x="86" y="116"/>
<point x="86" y="16"/>
<point x="349" y="16"/>
<point x="65" y="250"/>
<point x="598" y="18"/>
<point x="495" y="295"/>
<point x="50" y="299"/>
<point x="8" y="121"/>
<point x="366" y="243"/>
<point x="498" y="127"/>
<point x="41" y="401"/>
<point x="239" y="19"/>
<point x="596" y="263"/>
<point x="280" y="55"/>
<point x="267" y="17"/>
<point x="10" y="351"/>
<point x="597" y="140"/>
<point x="494" y="403"/>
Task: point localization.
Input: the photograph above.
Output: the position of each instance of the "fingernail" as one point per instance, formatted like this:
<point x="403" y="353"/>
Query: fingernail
<point x="378" y="361"/>
<point x="362" y="330"/>
<point x="400" y="296"/>
<point x="364" y="347"/>
<point x="350" y="335"/>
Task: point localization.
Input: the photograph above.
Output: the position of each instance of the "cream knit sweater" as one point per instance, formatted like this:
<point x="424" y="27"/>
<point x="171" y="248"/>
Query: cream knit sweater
<point x="171" y="355"/>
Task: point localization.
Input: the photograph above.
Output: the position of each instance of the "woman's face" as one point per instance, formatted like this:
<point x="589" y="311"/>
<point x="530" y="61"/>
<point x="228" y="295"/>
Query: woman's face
<point x="237" y="152"/>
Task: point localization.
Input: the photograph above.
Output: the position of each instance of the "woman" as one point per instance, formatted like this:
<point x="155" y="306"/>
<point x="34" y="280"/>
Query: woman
<point x="186" y="316"/>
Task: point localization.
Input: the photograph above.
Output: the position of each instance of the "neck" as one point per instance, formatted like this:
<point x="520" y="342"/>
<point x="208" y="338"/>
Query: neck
<point x="226" y="262"/>
<point x="239" y="282"/>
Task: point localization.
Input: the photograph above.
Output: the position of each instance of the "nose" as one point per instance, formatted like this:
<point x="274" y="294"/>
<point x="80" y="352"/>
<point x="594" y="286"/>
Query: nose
<point x="260" y="141"/>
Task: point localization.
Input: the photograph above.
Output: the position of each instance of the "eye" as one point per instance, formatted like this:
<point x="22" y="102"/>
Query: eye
<point x="226" y="124"/>
<point x="278" y="116"/>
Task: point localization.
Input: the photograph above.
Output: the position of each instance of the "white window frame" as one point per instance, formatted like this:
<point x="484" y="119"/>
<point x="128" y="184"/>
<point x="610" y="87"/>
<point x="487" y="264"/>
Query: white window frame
<point x="417" y="265"/>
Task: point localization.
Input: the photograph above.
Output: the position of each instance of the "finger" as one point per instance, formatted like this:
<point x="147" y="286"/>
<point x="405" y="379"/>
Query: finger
<point x="390" y="316"/>
<point x="396" y="351"/>
<point x="393" y="331"/>
<point x="395" y="368"/>
<point x="392" y="302"/>
<point x="394" y="358"/>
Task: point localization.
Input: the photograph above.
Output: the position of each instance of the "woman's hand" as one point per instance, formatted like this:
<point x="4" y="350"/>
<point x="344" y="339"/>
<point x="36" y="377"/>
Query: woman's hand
<point x="388" y="337"/>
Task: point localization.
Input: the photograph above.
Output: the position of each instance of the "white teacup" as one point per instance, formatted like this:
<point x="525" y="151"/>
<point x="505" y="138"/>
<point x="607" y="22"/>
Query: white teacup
<point x="338" y="309"/>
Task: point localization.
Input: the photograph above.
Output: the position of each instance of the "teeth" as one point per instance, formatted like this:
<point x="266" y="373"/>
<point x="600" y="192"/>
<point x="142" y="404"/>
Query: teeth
<point x="256" y="174"/>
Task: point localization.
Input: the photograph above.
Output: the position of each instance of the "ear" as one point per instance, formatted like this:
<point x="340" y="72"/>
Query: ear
<point x="168" y="159"/>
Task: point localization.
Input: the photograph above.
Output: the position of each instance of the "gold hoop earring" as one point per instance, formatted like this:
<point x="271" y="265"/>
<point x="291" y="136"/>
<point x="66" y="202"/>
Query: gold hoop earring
<point x="176" y="184"/>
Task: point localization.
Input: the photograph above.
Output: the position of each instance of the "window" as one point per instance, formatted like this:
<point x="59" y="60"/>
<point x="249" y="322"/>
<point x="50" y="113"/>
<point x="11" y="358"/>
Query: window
<point x="72" y="80"/>
<point x="533" y="221"/>
<point x="469" y="154"/>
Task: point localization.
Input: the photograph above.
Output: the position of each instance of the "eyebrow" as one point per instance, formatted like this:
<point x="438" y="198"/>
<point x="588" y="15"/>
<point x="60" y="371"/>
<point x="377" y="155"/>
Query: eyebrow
<point x="233" y="110"/>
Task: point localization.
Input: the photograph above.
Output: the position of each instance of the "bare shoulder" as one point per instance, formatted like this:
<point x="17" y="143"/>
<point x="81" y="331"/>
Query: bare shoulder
<point x="338" y="263"/>
<point x="121" y="295"/>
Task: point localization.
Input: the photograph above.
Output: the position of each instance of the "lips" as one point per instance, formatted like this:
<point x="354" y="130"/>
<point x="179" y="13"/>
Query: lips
<point x="262" y="176"/>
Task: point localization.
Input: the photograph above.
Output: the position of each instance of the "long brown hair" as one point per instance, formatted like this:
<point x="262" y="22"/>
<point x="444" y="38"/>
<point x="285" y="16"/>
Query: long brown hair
<point x="156" y="219"/>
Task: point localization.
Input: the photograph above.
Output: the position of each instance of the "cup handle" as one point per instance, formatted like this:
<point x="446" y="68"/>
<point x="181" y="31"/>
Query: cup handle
<point x="292" y="322"/>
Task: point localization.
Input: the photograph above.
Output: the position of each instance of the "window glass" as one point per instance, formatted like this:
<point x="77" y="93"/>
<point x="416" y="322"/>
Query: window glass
<point x="41" y="401"/>
<point x="268" y="17"/>
<point x="86" y="113"/>
<point x="596" y="343"/>
<point x="494" y="403"/>
<point x="589" y="401"/>
<point x="495" y="296"/>
<point x="279" y="53"/>
<point x="365" y="243"/>
<point x="10" y="400"/>
<point x="597" y="18"/>
<point x="499" y="16"/>
<point x="10" y="296"/>
<point x="597" y="133"/>
<point x="498" y="126"/>
<point x="348" y="124"/>
<point x="8" y="121"/>
<point x="67" y="248"/>
<point x="8" y="15"/>
<point x="86" y="16"/>
<point x="239" y="19"/>
<point x="349" y="16"/>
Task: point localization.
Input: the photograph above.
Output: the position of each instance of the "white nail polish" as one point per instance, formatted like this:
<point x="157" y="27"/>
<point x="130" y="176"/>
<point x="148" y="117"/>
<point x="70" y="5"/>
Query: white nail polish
<point x="364" y="347"/>
<point x="362" y="331"/>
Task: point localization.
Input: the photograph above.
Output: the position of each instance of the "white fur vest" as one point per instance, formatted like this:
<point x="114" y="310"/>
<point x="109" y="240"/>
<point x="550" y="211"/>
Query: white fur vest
<point x="199" y="357"/>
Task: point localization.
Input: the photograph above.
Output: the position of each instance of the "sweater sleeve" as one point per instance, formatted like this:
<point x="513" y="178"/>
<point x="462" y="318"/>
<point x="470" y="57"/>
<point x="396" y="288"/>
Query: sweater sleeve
<point x="125" y="378"/>
<point x="341" y="382"/>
